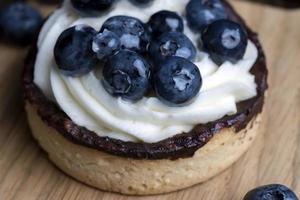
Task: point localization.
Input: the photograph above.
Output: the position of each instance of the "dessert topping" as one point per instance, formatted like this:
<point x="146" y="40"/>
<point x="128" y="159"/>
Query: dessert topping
<point x="177" y="81"/>
<point x="124" y="44"/>
<point x="172" y="44"/>
<point x="200" y="13"/>
<point x="127" y="75"/>
<point x="92" y="7"/>
<point x="73" y="51"/>
<point x="141" y="2"/>
<point x="225" y="40"/>
<point x="106" y="44"/>
<point x="165" y="21"/>
<point x="133" y="33"/>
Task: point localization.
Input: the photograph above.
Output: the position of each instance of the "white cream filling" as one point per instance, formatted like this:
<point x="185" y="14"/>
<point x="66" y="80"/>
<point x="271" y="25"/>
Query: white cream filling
<point x="87" y="103"/>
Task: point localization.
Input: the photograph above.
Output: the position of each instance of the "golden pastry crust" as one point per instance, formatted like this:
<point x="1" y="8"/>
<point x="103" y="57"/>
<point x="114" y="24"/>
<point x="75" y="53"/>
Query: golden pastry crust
<point x="142" y="177"/>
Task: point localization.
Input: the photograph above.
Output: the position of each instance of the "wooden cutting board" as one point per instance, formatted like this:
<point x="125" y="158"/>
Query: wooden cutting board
<point x="26" y="173"/>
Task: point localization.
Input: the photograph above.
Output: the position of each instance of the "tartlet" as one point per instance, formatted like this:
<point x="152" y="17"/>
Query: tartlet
<point x="140" y="168"/>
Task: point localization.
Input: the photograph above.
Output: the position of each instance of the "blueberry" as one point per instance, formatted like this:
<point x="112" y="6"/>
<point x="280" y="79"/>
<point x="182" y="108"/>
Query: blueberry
<point x="271" y="192"/>
<point x="172" y="44"/>
<point x="19" y="22"/>
<point x="133" y="33"/>
<point x="165" y="21"/>
<point x="141" y="2"/>
<point x="200" y="13"/>
<point x="225" y="40"/>
<point x="51" y="2"/>
<point x="127" y="75"/>
<point x="106" y="44"/>
<point x="177" y="81"/>
<point x="92" y="7"/>
<point x="73" y="50"/>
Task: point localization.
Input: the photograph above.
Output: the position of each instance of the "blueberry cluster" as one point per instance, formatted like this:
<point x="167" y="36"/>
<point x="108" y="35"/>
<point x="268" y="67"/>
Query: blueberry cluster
<point x="137" y="56"/>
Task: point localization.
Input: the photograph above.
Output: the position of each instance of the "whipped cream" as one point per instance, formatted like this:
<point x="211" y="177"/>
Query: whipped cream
<point x="87" y="103"/>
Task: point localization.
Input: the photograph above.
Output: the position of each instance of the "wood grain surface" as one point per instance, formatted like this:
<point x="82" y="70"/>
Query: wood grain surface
<point x="26" y="173"/>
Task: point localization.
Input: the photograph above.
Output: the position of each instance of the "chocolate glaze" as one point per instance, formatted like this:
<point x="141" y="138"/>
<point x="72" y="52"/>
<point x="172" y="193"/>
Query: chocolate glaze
<point x="179" y="146"/>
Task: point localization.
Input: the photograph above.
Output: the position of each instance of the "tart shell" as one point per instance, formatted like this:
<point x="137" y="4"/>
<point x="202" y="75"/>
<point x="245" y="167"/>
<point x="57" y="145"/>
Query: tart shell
<point x="178" y="146"/>
<point x="145" y="168"/>
<point x="142" y="177"/>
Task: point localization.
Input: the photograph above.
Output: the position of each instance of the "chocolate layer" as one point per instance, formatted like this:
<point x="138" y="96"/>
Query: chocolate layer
<point x="179" y="146"/>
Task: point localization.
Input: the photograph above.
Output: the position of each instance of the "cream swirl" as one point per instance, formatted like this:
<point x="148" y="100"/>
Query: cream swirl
<point x="87" y="103"/>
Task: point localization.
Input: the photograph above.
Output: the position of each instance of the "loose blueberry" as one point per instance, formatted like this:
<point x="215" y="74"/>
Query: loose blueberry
<point x="177" y="81"/>
<point x="106" y="44"/>
<point x="19" y="22"/>
<point x="200" y="13"/>
<point x="172" y="44"/>
<point x="133" y="33"/>
<point x="165" y="21"/>
<point x="127" y="75"/>
<point x="92" y="7"/>
<point x="141" y="2"/>
<point x="73" y="50"/>
<point x="225" y="40"/>
<point x="271" y="192"/>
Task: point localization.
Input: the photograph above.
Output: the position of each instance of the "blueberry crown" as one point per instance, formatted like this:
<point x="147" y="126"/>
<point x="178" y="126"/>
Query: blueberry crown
<point x="138" y="57"/>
